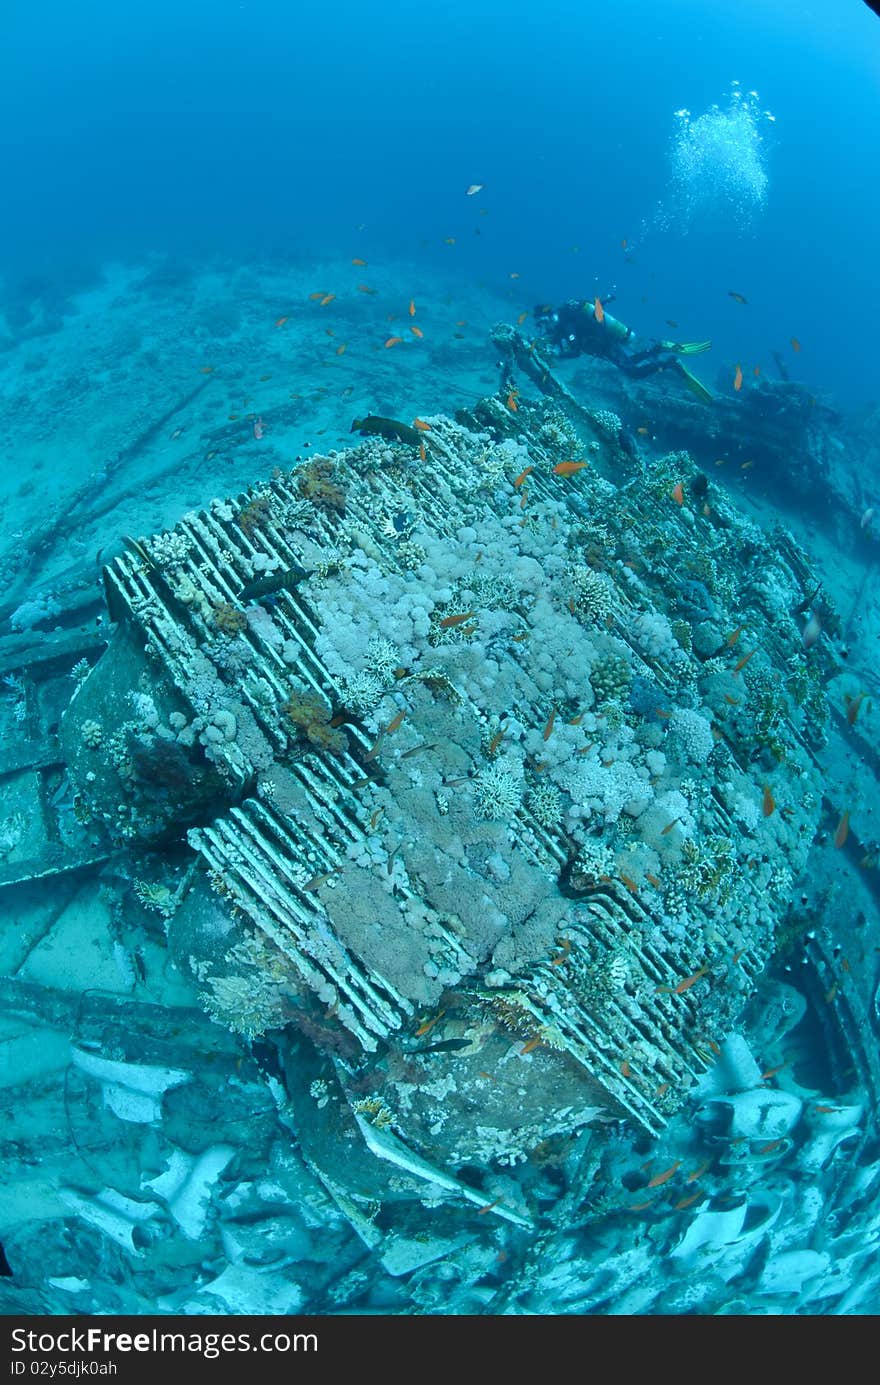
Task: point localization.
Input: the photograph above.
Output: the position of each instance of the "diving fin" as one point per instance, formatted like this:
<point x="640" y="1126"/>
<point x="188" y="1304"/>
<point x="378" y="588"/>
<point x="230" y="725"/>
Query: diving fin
<point x="686" y="348"/>
<point x="696" y="386"/>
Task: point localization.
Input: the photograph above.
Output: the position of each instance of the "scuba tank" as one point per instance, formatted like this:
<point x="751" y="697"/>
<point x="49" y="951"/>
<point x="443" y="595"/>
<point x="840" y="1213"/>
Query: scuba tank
<point x="613" y="325"/>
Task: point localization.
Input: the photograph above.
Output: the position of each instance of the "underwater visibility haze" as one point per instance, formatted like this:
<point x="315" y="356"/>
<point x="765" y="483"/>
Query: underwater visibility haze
<point x="439" y="845"/>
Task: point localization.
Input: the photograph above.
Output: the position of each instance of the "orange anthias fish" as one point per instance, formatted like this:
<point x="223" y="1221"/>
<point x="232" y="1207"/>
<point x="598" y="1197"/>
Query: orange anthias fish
<point x="449" y="621"/>
<point x="362" y="263"/>
<point x="412" y="307"/>
<point x="738" y="378"/>
<point x="744" y="660"/>
<point x="518" y="480"/>
<point x="423" y="454"/>
<point x="598" y="310"/>
<point x="521" y="319"/>
<point x="734" y="635"/>
<point x="365" y="288"/>
<point x="429" y="1024"/>
<point x="417" y="332"/>
<point x="688" y="981"/>
<point x="548" y="729"/>
<point x="853" y="706"/>
<point x="393" y="341"/>
<point x="795" y="344"/>
<point x="340" y="350"/>
<point x="511" y="401"/>
<point x="665" y="1176"/>
<point x="281" y="321"/>
<point x="567" y="468"/>
<point x="319" y="294"/>
<point x="678" y="493"/>
<point x="842" y="832"/>
<point x="421" y="425"/>
<point x="769" y="804"/>
<point x="684" y="985"/>
<point x="328" y="298"/>
<point x="395" y="722"/>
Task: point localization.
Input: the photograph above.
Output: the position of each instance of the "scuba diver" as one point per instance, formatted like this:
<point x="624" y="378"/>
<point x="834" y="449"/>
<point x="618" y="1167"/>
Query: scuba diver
<point x="583" y="328"/>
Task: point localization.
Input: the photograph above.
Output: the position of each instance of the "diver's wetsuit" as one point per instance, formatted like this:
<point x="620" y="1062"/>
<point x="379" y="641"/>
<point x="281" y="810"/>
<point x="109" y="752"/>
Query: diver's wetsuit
<point x="574" y="331"/>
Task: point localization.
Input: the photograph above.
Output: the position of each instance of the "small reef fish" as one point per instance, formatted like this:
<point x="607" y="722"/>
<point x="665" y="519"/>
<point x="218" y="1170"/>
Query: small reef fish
<point x="417" y="750"/>
<point x="629" y="883"/>
<point x="744" y="660"/>
<point x="842" y="832"/>
<point x="313" y="297"/>
<point x="737" y="297"/>
<point x="412" y="307"/>
<point x="449" y="240"/>
<point x="362" y="263"/>
<point x="757" y="371"/>
<point x="281" y="321"/>
<point x="511" y="401"/>
<point x="812" y="631"/>
<point x="514" y="274"/>
<point x="496" y="741"/>
<point x="389" y="428"/>
<point x="417" y="332"/>
<point x="268" y="586"/>
<point x="328" y="298"/>
<point x="738" y="378"/>
<point x="698" y="1172"/>
<point x="429" y="1024"/>
<point x="689" y="1201"/>
<point x="365" y="288"/>
<point x="769" y="803"/>
<point x="598" y="310"/>
<point x="853" y="707"/>
<point x="318" y="880"/>
<point x="340" y="350"/>
<point x="669" y="826"/>
<point x="422" y="426"/>
<point x="548" y="729"/>
<point x="795" y="344"/>
<point x="689" y="981"/>
<point x="734" y="635"/>
<point x="443" y="1046"/>
<point x="770" y="1146"/>
<point x="423" y="453"/>
<point x="393" y="341"/>
<point x="684" y="985"/>
<point x="449" y="621"/>
<point x="866" y="517"/>
<point x="521" y="319"/>
<point x="474" y="189"/>
<point x="664" y="1177"/>
<point x="532" y="1044"/>
<point x="395" y="722"/>
<point x="678" y="493"/>
<point x="518" y="480"/>
<point x="258" y="428"/>
<point x="568" y="468"/>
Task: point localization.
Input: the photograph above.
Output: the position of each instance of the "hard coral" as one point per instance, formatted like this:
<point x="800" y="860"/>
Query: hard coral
<point x="228" y="618"/>
<point x="311" y="716"/>
<point x="254" y="513"/>
<point x="316" y="484"/>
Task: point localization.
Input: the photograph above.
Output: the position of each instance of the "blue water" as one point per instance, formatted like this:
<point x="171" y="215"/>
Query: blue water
<point x="245" y="128"/>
